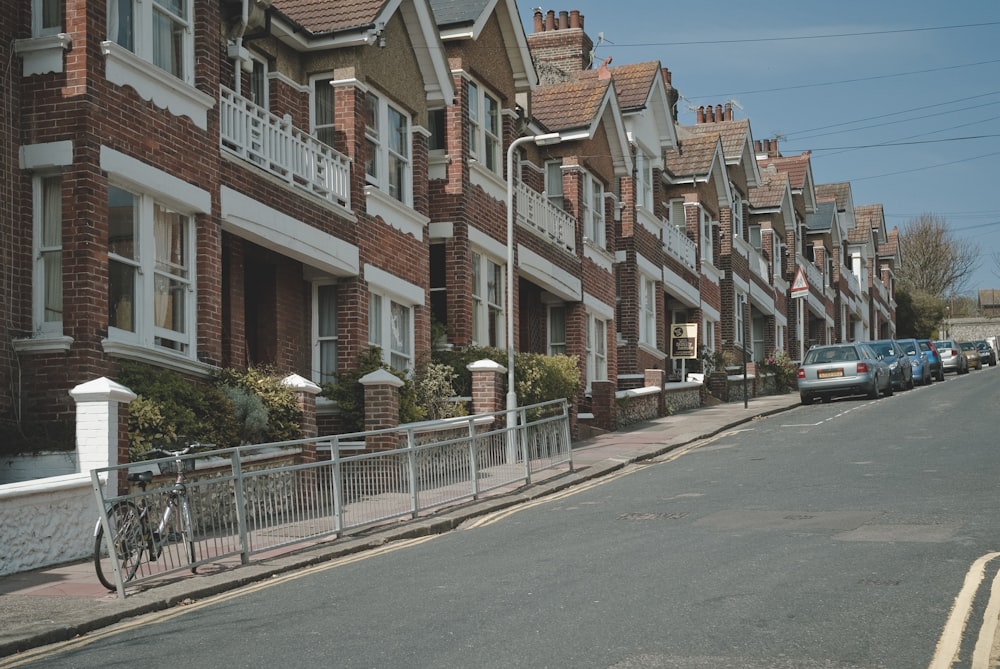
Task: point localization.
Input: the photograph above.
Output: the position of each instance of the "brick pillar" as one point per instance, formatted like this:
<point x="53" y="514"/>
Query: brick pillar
<point x="102" y="427"/>
<point x="487" y="386"/>
<point x="602" y="404"/>
<point x="381" y="408"/>
<point x="656" y="377"/>
<point x="305" y="394"/>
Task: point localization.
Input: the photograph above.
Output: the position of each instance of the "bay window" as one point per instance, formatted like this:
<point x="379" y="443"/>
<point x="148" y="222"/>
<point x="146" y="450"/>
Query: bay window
<point x="593" y="209"/>
<point x="324" y="332"/>
<point x="487" y="302"/>
<point x="387" y="135"/>
<point x="597" y="349"/>
<point x="150" y="273"/>
<point x="48" y="288"/>
<point x="484" y="128"/>
<point x="390" y="327"/>
<point x="158" y="31"/>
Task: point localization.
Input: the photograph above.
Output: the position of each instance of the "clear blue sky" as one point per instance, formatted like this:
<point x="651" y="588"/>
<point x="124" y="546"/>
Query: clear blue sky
<point x="900" y="99"/>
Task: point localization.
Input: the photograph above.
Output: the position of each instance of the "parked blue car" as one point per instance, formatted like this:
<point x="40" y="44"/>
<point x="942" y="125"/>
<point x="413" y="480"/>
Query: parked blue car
<point x="918" y="361"/>
<point x="933" y="357"/>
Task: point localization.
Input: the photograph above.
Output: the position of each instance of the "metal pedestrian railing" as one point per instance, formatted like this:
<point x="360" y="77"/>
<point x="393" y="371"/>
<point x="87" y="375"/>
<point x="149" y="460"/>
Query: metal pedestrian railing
<point x="261" y="499"/>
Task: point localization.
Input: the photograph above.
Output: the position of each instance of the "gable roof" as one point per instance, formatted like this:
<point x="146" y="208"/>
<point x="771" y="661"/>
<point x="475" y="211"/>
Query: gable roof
<point x="840" y="192"/>
<point x="737" y="144"/>
<point x="575" y="109"/>
<point x="770" y="194"/>
<point x="871" y="216"/>
<point x="695" y="157"/>
<point x="641" y="88"/>
<point x="466" y="19"/>
<point x="312" y="25"/>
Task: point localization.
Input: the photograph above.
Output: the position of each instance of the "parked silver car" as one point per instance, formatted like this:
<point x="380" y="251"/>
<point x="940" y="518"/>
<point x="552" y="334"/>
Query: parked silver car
<point x="952" y="358"/>
<point x="837" y="370"/>
<point x="900" y="370"/>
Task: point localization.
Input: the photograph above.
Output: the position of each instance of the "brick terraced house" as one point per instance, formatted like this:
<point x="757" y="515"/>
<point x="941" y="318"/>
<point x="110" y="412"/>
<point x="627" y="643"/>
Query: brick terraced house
<point x="286" y="182"/>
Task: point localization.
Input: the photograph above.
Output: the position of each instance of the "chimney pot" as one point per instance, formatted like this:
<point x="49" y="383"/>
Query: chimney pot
<point x="729" y="111"/>
<point x="539" y="21"/>
<point x="667" y="77"/>
<point x="550" y="20"/>
<point x="701" y="114"/>
<point x="575" y="20"/>
<point x="718" y="113"/>
<point x="709" y="114"/>
<point x="563" y="20"/>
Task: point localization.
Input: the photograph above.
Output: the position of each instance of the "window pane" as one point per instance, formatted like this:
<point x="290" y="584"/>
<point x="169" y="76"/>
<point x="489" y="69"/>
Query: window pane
<point x="168" y="43"/>
<point x="437" y="119"/>
<point x="51" y="14"/>
<point x="258" y="83"/>
<point x="327" y="361"/>
<point x="121" y="23"/>
<point x="326" y="303"/>
<point x="323" y="110"/>
<point x="121" y="222"/>
<point x="375" y="319"/>
<point x="169" y="237"/>
<point x="121" y="295"/>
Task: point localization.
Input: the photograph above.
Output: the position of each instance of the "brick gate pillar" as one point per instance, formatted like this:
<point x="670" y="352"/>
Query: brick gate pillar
<point x="305" y="395"/>
<point x="102" y="427"/>
<point x="602" y="404"/>
<point x="381" y="408"/>
<point x="487" y="389"/>
<point x="655" y="378"/>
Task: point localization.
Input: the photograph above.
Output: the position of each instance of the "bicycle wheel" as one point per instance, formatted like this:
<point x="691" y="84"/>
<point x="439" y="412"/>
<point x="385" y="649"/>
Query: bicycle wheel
<point x="128" y="536"/>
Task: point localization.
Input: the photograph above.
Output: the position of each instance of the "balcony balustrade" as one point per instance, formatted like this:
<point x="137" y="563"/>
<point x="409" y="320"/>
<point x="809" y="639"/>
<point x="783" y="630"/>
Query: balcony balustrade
<point x="536" y="213"/>
<point x="677" y="244"/>
<point x="275" y="145"/>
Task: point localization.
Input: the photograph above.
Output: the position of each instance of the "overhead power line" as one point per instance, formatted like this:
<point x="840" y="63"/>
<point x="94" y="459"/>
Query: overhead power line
<point x="758" y="40"/>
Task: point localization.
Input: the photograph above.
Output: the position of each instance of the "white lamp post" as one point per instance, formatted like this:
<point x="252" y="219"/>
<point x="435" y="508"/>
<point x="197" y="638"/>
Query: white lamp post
<point x="540" y="140"/>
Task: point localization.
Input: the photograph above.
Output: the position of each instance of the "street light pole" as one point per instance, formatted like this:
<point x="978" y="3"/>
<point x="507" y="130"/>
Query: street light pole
<point x="743" y="344"/>
<point x="540" y="140"/>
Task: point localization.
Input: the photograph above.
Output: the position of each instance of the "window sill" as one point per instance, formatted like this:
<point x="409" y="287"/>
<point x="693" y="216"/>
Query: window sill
<point x="492" y="183"/>
<point x="41" y="55"/>
<point x="43" y="344"/>
<point x="178" y="363"/>
<point x="395" y="213"/>
<point x="152" y="83"/>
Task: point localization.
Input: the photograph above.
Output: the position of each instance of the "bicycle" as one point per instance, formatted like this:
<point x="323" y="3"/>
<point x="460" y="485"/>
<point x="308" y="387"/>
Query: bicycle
<point x="132" y="531"/>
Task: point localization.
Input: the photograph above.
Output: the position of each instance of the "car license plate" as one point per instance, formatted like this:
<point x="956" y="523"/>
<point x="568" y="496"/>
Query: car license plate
<point x="829" y="373"/>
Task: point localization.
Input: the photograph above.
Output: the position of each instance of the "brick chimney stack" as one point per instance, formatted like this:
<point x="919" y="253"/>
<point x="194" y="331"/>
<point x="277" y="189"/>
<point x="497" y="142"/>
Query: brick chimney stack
<point x="560" y="41"/>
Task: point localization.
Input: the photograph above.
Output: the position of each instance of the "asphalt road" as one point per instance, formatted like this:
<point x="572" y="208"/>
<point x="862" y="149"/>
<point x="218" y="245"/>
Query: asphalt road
<point x="848" y="534"/>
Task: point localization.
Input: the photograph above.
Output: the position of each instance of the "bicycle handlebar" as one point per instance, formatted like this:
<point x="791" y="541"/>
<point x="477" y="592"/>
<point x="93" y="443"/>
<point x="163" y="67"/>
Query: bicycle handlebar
<point x="187" y="450"/>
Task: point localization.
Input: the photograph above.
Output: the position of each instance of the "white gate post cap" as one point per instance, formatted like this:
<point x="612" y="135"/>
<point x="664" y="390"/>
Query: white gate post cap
<point x="102" y="389"/>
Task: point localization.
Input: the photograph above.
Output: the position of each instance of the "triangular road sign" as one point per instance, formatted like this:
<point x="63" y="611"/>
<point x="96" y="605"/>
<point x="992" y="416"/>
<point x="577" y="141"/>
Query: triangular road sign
<point x="800" y="285"/>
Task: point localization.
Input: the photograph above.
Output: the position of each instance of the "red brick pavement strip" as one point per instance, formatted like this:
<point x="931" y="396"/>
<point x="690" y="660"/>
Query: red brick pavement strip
<point x="59" y="603"/>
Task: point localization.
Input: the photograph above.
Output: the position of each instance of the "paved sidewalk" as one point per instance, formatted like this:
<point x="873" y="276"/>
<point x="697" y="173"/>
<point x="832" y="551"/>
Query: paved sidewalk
<point x="59" y="603"/>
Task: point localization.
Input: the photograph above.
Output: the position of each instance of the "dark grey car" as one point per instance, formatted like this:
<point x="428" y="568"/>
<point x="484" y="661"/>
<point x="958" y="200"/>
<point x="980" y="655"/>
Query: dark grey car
<point x="838" y="370"/>
<point x="892" y="354"/>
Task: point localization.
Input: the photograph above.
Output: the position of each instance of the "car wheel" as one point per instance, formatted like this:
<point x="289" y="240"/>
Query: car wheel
<point x="940" y="375"/>
<point x="873" y="394"/>
<point x="806" y="400"/>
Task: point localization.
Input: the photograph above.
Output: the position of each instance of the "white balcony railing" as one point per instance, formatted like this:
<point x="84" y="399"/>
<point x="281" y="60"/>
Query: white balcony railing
<point x="852" y="281"/>
<point x="535" y="212"/>
<point x="677" y="244"/>
<point x="274" y="144"/>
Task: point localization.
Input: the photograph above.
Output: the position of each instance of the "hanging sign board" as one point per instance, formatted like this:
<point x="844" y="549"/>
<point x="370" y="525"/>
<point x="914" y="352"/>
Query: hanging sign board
<point x="684" y="341"/>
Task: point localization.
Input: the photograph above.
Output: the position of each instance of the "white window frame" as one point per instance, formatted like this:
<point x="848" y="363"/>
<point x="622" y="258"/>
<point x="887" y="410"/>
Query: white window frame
<point x="706" y="235"/>
<point x="258" y="84"/>
<point x="556" y="343"/>
<point x="380" y="135"/>
<point x="643" y="179"/>
<point x="648" y="295"/>
<point x="593" y="209"/>
<point x="146" y="333"/>
<point x="554" y="183"/>
<point x="708" y="334"/>
<point x="47" y="211"/>
<point x="485" y="128"/>
<point x="320" y="338"/>
<point x="46" y="17"/>
<point x="385" y="313"/>
<point x="141" y="39"/>
<point x="597" y="349"/>
<point x="737" y="211"/>
<point x="738" y="318"/>
<point x="487" y="308"/>
<point x="676" y="215"/>
<point x="321" y="86"/>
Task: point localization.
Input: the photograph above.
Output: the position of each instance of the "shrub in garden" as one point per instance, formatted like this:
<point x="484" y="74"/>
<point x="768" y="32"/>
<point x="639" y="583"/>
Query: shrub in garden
<point x="349" y="394"/>
<point x="283" y="416"/>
